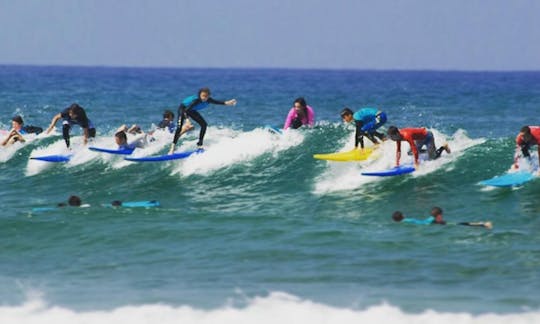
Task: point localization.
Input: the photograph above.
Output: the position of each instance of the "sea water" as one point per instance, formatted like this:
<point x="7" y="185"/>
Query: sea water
<point x="255" y="229"/>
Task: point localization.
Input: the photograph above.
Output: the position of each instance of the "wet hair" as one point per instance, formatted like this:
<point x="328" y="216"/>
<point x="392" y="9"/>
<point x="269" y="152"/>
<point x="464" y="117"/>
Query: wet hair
<point x="527" y="136"/>
<point x="116" y="203"/>
<point x="301" y="101"/>
<point x="346" y="112"/>
<point x="436" y="211"/>
<point x="393" y="131"/>
<point x="78" y="110"/>
<point x="398" y="216"/>
<point x="168" y="114"/>
<point x="74" y="201"/>
<point x="205" y="90"/>
<point x="121" y="135"/>
<point x="18" y="119"/>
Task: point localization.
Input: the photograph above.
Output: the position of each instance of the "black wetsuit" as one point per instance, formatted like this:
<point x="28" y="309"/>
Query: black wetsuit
<point x="82" y="121"/>
<point x="189" y="108"/>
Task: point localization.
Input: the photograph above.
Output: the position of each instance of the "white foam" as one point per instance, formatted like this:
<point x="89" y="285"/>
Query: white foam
<point x="347" y="176"/>
<point x="275" y="308"/>
<point x="225" y="147"/>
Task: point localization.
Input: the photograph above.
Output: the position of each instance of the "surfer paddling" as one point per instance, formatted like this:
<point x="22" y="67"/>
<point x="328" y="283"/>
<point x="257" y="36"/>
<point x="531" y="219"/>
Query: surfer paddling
<point x="436" y="218"/>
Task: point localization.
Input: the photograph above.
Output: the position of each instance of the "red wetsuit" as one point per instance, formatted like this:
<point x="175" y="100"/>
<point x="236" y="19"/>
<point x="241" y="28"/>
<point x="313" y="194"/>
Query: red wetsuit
<point x="410" y="135"/>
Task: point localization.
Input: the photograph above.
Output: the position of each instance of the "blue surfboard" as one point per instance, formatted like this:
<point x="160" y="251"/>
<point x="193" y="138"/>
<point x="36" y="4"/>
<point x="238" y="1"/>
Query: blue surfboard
<point x="398" y="170"/>
<point x="52" y="158"/>
<point x="167" y="157"/>
<point x="111" y="151"/>
<point x="509" y="179"/>
<point x="134" y="204"/>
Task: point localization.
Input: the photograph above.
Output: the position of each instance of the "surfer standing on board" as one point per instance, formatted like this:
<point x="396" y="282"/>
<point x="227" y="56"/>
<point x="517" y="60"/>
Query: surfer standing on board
<point x="74" y="115"/>
<point x="417" y="138"/>
<point x="190" y="107"/>
<point x="367" y="121"/>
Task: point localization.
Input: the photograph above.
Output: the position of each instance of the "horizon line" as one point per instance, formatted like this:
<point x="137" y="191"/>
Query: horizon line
<point x="157" y="67"/>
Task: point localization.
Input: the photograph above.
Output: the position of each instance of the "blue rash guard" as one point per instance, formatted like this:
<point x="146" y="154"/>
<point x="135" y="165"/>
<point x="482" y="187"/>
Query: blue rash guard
<point x="195" y="103"/>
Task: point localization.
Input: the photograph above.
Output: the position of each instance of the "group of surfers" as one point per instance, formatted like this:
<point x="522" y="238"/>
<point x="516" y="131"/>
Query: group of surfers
<point x="367" y="122"/>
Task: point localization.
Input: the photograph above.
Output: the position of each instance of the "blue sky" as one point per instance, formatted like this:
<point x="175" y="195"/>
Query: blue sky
<point x="356" y="34"/>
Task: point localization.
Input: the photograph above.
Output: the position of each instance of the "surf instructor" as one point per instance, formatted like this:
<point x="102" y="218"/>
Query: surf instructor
<point x="190" y="107"/>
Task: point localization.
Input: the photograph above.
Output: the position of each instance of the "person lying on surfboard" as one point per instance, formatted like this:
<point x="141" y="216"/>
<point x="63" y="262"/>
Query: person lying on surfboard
<point x="527" y="137"/>
<point x="167" y="123"/>
<point x="120" y="137"/>
<point x="190" y="107"/>
<point x="300" y="114"/>
<point x="74" y="115"/>
<point x="417" y="138"/>
<point x="18" y="130"/>
<point x="367" y="121"/>
<point x="436" y="218"/>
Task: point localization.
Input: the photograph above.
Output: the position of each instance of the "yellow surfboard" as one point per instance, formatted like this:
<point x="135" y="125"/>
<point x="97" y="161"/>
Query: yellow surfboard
<point x="352" y="155"/>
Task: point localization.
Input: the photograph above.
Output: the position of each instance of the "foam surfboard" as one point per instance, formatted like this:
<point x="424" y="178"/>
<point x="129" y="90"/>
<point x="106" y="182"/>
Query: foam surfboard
<point x="352" y="155"/>
<point x="509" y="179"/>
<point x="167" y="157"/>
<point x="111" y="151"/>
<point x="52" y="158"/>
<point x="134" y="204"/>
<point x="398" y="170"/>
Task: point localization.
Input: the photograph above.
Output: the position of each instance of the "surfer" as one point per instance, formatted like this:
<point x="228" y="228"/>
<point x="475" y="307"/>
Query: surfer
<point x="527" y="137"/>
<point x="300" y="114"/>
<point x="436" y="218"/>
<point x="367" y="121"/>
<point x="190" y="107"/>
<point x="73" y="201"/>
<point x="120" y="137"/>
<point x="166" y="123"/>
<point x="74" y="115"/>
<point x="417" y="138"/>
<point x="18" y="130"/>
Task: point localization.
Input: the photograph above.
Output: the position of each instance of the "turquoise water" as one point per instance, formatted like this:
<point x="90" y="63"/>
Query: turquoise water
<point x="256" y="216"/>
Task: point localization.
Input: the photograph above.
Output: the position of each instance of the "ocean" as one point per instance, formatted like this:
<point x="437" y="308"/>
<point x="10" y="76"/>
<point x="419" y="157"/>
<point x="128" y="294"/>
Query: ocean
<point x="256" y="230"/>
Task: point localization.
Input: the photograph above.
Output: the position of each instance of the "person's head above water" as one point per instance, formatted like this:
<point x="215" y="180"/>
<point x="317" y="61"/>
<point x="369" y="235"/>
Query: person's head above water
<point x="393" y="133"/>
<point x="346" y="115"/>
<point x="526" y="135"/>
<point x="437" y="213"/>
<point x="398" y="216"/>
<point x="169" y="115"/>
<point x="120" y="138"/>
<point x="204" y="93"/>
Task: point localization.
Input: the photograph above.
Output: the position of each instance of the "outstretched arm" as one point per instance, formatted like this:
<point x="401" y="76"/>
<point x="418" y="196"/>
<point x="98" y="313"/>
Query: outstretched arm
<point x="53" y="122"/>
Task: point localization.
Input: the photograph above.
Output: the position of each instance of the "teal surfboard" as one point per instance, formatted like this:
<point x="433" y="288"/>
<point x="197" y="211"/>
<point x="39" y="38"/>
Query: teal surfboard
<point x="134" y="204"/>
<point x="509" y="179"/>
